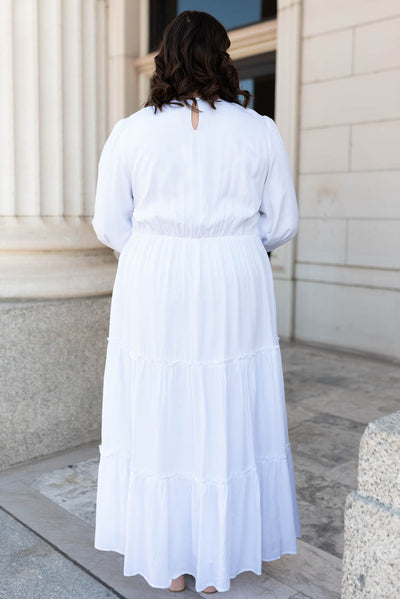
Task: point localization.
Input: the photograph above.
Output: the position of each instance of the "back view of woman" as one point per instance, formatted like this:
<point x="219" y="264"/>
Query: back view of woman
<point x="196" y="474"/>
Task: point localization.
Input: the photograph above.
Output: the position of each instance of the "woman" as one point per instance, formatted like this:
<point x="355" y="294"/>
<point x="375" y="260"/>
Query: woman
<point x="196" y="474"/>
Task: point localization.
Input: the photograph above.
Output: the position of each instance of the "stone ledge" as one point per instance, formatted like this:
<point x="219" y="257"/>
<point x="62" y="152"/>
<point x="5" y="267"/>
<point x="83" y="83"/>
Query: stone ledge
<point x="53" y="257"/>
<point x="371" y="560"/>
<point x="53" y="354"/>
<point x="379" y="464"/>
<point x="57" y="274"/>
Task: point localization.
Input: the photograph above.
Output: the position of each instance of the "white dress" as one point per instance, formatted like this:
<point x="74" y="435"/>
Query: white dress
<point x="196" y="473"/>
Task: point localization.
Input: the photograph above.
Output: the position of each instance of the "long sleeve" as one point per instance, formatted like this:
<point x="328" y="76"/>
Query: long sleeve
<point x="114" y="199"/>
<point x="279" y="217"/>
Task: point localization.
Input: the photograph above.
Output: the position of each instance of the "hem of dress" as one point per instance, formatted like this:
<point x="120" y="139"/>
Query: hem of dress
<point x="118" y="544"/>
<point x="220" y="586"/>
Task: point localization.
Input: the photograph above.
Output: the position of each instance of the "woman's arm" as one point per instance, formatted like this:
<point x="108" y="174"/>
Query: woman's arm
<point x="114" y="199"/>
<point x="279" y="217"/>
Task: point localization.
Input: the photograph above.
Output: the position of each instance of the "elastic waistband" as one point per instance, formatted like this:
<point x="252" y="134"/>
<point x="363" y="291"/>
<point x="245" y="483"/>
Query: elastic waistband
<point x="163" y="234"/>
<point x="194" y="237"/>
<point x="196" y="231"/>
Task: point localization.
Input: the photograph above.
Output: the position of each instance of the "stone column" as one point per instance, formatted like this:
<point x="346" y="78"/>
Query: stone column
<point x="286" y="116"/>
<point x="53" y="122"/>
<point x="55" y="277"/>
<point x="371" y="559"/>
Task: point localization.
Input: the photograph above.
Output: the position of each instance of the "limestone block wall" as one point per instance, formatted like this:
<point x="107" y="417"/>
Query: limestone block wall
<point x="348" y="245"/>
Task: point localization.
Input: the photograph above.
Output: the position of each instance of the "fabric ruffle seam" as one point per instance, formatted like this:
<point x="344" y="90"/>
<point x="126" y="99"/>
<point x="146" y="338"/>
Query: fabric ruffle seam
<point x="189" y="475"/>
<point x="199" y="363"/>
<point x="207" y="481"/>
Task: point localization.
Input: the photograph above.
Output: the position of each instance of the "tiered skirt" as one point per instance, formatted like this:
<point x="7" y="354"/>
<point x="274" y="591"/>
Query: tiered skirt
<point x="196" y="473"/>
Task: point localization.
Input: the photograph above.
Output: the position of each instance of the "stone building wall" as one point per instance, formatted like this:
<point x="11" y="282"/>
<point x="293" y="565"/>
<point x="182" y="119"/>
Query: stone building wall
<point x="348" y="245"/>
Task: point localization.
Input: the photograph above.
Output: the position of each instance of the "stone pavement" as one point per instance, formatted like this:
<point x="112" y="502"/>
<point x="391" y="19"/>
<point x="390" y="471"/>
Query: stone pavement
<point x="48" y="505"/>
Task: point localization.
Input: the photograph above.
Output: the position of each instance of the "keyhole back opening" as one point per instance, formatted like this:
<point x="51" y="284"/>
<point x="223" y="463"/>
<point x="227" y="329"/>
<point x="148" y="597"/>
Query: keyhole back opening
<point x="195" y="115"/>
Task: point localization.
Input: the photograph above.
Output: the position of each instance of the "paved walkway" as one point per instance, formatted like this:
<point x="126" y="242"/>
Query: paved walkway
<point x="48" y="505"/>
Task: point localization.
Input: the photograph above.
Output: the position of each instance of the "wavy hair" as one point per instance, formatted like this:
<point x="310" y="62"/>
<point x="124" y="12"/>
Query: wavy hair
<point x="193" y="61"/>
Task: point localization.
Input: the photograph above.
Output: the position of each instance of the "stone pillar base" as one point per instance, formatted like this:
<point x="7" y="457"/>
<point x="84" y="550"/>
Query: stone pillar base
<point x="371" y="559"/>
<point x="52" y="355"/>
<point x="53" y="257"/>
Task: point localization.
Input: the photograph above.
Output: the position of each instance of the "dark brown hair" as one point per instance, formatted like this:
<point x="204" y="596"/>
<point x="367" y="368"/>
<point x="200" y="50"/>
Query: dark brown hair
<point x="192" y="61"/>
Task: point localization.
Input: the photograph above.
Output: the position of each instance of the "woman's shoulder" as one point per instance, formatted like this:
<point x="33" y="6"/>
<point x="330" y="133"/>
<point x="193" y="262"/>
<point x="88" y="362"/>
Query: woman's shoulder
<point x="266" y="124"/>
<point x="135" y="124"/>
<point x="262" y="119"/>
<point x="139" y="115"/>
<point x="251" y="115"/>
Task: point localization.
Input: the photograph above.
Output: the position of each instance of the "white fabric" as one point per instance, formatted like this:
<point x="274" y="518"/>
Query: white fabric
<point x="196" y="473"/>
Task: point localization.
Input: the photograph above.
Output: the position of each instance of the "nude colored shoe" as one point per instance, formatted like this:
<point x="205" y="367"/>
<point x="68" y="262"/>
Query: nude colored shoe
<point x="178" y="584"/>
<point x="209" y="589"/>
